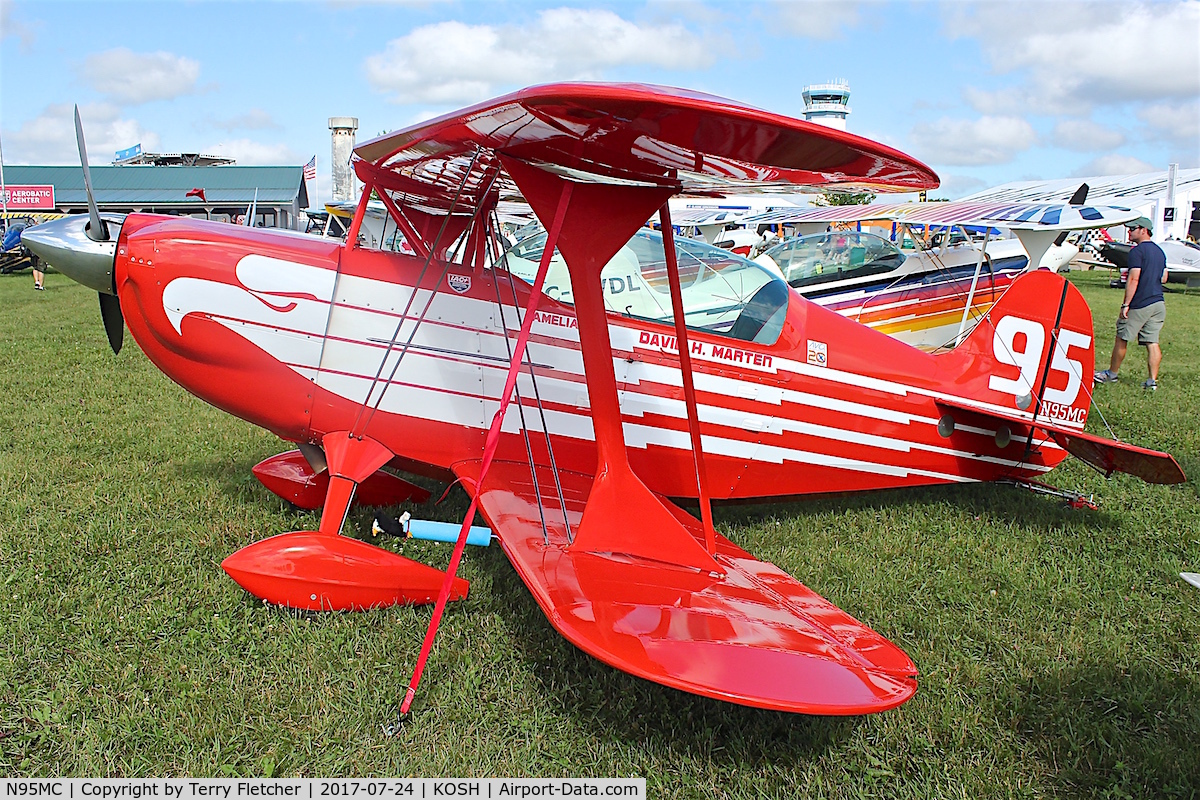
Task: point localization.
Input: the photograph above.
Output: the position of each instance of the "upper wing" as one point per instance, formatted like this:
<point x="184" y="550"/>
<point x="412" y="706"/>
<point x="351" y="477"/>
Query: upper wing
<point x="757" y="636"/>
<point x="1106" y="455"/>
<point x="1050" y="217"/>
<point x="628" y="134"/>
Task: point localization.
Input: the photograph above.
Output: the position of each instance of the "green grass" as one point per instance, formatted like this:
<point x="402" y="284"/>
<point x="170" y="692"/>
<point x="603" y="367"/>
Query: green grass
<point x="1059" y="651"/>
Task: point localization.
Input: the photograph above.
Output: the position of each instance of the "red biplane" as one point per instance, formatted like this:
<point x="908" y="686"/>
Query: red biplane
<point x="721" y="383"/>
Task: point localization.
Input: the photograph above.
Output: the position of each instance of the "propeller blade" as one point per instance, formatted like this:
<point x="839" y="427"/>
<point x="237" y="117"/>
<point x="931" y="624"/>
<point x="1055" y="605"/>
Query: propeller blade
<point x="114" y="320"/>
<point x="97" y="232"/>
<point x="1077" y="199"/>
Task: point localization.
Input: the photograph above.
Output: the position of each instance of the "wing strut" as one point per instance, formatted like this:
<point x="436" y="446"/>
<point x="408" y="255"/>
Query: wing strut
<point x="414" y="239"/>
<point x="360" y="425"/>
<point x="685" y="366"/>
<point x="493" y="439"/>
<point x="962" y="326"/>
<point x="622" y="516"/>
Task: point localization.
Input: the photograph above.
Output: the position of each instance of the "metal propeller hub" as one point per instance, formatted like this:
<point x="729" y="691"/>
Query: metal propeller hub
<point x="65" y="244"/>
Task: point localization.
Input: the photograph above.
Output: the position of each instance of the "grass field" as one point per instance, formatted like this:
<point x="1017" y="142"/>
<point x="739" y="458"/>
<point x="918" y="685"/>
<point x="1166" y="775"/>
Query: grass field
<point x="1059" y="650"/>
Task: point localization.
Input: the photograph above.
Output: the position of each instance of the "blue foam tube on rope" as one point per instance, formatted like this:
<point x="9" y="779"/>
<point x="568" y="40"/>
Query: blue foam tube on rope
<point x="447" y="532"/>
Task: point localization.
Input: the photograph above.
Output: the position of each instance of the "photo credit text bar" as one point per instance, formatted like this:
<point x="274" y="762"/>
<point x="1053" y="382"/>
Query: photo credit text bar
<point x="316" y="788"/>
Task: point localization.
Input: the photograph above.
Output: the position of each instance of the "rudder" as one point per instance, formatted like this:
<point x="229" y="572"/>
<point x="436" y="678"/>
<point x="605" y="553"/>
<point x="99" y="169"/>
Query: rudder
<point x="1034" y="351"/>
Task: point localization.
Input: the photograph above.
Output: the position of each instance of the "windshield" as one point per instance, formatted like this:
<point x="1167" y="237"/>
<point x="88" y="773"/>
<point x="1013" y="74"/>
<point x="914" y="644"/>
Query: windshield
<point x="834" y="256"/>
<point x="722" y="293"/>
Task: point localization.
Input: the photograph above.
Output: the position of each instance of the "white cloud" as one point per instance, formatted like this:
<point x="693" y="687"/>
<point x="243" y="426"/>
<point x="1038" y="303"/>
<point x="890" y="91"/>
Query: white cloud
<point x="410" y="3"/>
<point x="12" y="27"/>
<point x="987" y="140"/>
<point x="253" y="120"/>
<point x="1017" y="100"/>
<point x="250" y="153"/>
<point x="49" y="138"/>
<point x="1086" y="136"/>
<point x="1081" y="54"/>
<point x="698" y="12"/>
<point x="1115" y="164"/>
<point x="452" y="62"/>
<point x="815" y="19"/>
<point x="958" y="185"/>
<point x="134" y="78"/>
<point x="1175" y="123"/>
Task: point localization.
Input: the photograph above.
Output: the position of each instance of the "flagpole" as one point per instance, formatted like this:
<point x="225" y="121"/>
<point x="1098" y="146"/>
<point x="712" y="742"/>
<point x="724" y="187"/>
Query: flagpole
<point x="3" y="189"/>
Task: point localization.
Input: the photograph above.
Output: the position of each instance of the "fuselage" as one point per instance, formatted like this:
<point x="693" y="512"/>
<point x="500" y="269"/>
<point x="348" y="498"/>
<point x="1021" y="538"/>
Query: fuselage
<point x="304" y="336"/>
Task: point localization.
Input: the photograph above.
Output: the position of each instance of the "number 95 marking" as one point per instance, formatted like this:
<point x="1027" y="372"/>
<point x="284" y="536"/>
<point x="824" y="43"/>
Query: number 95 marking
<point x="1029" y="357"/>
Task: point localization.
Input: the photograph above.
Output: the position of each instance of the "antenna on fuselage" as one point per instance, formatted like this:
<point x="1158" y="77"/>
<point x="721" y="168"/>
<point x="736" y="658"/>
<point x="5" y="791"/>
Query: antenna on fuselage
<point x="252" y="210"/>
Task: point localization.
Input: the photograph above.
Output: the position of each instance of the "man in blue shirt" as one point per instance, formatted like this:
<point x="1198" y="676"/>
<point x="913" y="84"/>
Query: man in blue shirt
<point x="1143" y="310"/>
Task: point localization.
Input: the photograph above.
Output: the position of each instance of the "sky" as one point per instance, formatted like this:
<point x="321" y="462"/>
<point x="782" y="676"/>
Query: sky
<point x="983" y="92"/>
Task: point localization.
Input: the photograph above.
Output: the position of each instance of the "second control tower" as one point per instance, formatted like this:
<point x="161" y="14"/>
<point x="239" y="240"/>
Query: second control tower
<point x="827" y="103"/>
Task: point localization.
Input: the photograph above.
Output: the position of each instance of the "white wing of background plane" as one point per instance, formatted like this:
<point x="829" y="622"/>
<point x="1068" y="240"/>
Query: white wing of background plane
<point x="1035" y="224"/>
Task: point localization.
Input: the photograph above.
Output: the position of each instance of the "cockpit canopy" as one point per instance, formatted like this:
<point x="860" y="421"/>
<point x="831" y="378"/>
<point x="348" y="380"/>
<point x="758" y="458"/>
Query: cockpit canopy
<point x="723" y="293"/>
<point x="833" y="256"/>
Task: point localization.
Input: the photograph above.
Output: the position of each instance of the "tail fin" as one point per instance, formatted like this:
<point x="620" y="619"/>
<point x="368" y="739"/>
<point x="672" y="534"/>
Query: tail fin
<point x="1028" y="364"/>
<point x="1031" y="354"/>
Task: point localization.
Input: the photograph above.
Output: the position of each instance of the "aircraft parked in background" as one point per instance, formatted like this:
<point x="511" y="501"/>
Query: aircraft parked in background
<point x="1183" y="260"/>
<point x="931" y="292"/>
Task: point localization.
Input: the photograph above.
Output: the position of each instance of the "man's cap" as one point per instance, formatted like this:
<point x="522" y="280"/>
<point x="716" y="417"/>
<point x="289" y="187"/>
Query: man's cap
<point x="1141" y="222"/>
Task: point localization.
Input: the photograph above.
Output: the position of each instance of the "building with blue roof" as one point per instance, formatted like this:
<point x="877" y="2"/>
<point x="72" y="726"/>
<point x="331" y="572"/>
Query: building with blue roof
<point x="222" y="193"/>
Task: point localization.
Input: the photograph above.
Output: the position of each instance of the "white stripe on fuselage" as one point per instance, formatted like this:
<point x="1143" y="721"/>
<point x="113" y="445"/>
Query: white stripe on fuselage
<point x="455" y="368"/>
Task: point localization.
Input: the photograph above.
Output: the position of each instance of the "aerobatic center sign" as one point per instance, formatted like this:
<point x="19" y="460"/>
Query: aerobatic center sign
<point x="29" y="198"/>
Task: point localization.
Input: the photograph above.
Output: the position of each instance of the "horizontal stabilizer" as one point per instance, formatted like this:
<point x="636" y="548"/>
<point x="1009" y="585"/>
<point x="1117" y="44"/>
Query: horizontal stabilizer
<point x="754" y="635"/>
<point x="1110" y="456"/>
<point x="1106" y="455"/>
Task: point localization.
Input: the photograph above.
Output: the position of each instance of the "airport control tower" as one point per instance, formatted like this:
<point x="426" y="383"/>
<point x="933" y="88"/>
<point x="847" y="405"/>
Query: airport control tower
<point x="342" y="145"/>
<point x="827" y="103"/>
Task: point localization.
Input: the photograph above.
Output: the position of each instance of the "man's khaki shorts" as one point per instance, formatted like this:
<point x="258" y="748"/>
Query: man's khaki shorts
<point x="1145" y="323"/>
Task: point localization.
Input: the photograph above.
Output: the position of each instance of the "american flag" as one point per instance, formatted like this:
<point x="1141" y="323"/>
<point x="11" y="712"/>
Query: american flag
<point x="310" y="170"/>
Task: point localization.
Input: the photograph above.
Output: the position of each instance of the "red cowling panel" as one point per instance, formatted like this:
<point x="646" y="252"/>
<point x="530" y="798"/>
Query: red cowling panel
<point x="755" y="636"/>
<point x="315" y="572"/>
<point x="289" y="476"/>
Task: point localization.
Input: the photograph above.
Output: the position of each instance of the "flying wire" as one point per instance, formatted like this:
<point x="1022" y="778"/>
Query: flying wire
<point x="408" y="306"/>
<point x="517" y="386"/>
<point x="541" y="409"/>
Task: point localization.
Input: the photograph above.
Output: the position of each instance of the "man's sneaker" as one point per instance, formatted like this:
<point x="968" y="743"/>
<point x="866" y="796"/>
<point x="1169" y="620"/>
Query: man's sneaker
<point x="1105" y="376"/>
<point x="1150" y="384"/>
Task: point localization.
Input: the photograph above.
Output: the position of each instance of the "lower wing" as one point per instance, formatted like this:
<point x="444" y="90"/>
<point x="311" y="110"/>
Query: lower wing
<point x="754" y="636"/>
